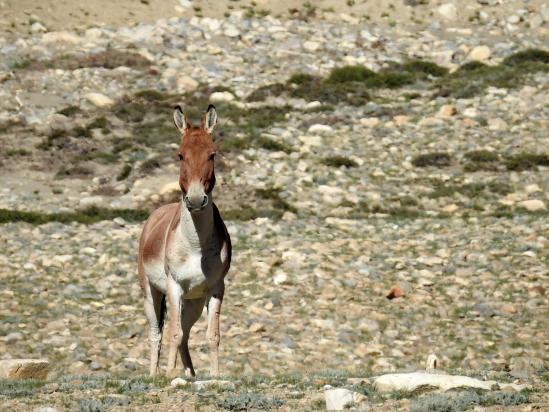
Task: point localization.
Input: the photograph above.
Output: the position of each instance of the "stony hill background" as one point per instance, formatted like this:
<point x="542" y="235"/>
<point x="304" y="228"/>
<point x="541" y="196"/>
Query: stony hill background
<point x="364" y="148"/>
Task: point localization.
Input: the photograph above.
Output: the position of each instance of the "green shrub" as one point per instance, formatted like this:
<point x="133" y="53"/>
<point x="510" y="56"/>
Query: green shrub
<point x="87" y="216"/>
<point x="339" y="161"/>
<point x="526" y="161"/>
<point x="436" y="159"/>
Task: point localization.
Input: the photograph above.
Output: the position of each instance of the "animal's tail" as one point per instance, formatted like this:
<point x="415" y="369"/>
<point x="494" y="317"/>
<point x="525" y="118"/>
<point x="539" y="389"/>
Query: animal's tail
<point x="162" y="320"/>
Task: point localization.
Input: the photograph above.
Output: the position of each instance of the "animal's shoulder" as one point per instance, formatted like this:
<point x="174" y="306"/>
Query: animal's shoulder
<point x="154" y="231"/>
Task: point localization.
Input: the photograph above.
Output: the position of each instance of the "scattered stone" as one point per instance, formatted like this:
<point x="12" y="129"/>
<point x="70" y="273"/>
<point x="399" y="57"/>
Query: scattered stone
<point x="280" y="278"/>
<point x="100" y="100"/>
<point x="186" y="84"/>
<point x="395" y="292"/>
<point x="119" y="221"/>
<point x="448" y="11"/>
<point x="532" y="205"/>
<point x="369" y="121"/>
<point x="311" y="46"/>
<point x="91" y="201"/>
<point x="60" y="37"/>
<point x="480" y="53"/>
<point x="213" y="383"/>
<point x="179" y="382"/>
<point x="533" y="188"/>
<point x="24" y="368"/>
<point x="321" y="129"/>
<point x="497" y="124"/>
<point x="221" y="97"/>
<point x="451" y="208"/>
<point x="447" y="110"/>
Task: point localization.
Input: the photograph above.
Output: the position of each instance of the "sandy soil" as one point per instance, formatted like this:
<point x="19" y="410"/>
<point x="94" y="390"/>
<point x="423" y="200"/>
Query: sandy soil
<point x="17" y="16"/>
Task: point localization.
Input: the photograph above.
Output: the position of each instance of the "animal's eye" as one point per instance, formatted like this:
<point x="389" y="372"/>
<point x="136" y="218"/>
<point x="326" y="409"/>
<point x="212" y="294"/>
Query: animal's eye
<point x="180" y="156"/>
<point x="212" y="156"/>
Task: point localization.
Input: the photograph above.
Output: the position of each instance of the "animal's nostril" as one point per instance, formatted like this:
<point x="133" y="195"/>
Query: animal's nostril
<point x="205" y="201"/>
<point x="187" y="201"/>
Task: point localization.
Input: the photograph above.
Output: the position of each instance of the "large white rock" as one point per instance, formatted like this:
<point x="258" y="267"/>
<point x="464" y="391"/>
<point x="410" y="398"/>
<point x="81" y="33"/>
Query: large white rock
<point x="412" y="381"/>
<point x="338" y="399"/>
<point x="100" y="100"/>
<point x="24" y="368"/>
<point x="179" y="382"/>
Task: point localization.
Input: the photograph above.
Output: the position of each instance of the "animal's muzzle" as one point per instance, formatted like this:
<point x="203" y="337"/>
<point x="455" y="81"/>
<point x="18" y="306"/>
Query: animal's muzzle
<point x="194" y="204"/>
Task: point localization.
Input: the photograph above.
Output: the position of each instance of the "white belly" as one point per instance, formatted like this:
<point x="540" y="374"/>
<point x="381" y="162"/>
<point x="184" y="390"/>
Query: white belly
<point x="191" y="276"/>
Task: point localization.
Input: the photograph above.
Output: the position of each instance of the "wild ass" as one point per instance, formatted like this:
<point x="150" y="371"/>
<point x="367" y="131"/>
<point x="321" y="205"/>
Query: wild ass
<point x="185" y="252"/>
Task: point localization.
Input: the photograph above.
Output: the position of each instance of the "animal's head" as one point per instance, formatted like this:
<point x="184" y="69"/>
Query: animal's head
<point x="196" y="158"/>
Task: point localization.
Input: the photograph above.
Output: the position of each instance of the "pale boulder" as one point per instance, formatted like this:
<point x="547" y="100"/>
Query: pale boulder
<point x="533" y="205"/>
<point x="100" y="100"/>
<point x="186" y="84"/>
<point x="24" y="368"/>
<point x="221" y="97"/>
<point x="448" y="11"/>
<point x="447" y="110"/>
<point x="61" y="37"/>
<point x="338" y="399"/>
<point x="410" y="382"/>
<point x="480" y="53"/>
<point x="320" y="129"/>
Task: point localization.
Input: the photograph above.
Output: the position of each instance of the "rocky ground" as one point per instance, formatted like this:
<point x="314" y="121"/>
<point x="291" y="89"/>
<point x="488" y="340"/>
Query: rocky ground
<point x="386" y="190"/>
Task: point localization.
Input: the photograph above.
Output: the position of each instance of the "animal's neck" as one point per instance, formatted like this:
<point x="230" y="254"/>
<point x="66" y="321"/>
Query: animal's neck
<point x="197" y="228"/>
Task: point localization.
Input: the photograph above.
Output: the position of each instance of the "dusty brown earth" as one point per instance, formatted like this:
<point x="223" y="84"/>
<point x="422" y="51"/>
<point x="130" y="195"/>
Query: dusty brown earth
<point x="17" y="16"/>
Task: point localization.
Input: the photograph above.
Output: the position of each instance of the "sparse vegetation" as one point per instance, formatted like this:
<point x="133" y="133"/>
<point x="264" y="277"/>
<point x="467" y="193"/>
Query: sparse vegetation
<point x="470" y="190"/>
<point x="474" y="77"/>
<point x="246" y="401"/>
<point x="339" y="161"/>
<point x="125" y="172"/>
<point x="481" y="160"/>
<point x="466" y="400"/>
<point x="435" y="159"/>
<point x="89" y="215"/>
<point x="526" y="161"/>
<point x="108" y="59"/>
<point x="19" y="388"/>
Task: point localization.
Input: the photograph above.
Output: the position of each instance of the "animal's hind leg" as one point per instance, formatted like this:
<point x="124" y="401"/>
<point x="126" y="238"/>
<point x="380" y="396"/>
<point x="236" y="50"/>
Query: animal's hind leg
<point x="154" y="310"/>
<point x="192" y="309"/>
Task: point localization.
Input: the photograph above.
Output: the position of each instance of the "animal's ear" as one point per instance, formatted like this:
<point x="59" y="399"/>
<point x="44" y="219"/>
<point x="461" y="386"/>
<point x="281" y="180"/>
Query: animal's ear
<point x="179" y="119"/>
<point x="209" y="120"/>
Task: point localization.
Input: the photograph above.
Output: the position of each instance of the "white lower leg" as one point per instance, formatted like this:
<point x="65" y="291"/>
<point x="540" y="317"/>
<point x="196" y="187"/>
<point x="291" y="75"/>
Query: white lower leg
<point x="212" y="334"/>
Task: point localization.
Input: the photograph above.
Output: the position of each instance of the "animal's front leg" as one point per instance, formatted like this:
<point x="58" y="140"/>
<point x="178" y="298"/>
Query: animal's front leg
<point x="212" y="334"/>
<point x="174" y="294"/>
